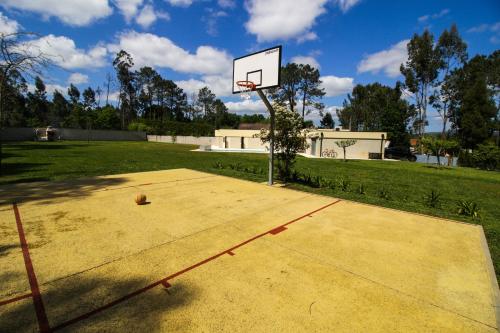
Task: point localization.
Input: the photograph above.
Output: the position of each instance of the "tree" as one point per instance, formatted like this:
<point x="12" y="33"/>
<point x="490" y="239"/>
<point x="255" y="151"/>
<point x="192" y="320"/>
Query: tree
<point x="123" y="63"/>
<point x="299" y="82"/>
<point x="421" y="72"/>
<point x="37" y="102"/>
<point x="74" y="94"/>
<point x="289" y="139"/>
<point x="205" y="101"/>
<point x="310" y="88"/>
<point x="290" y="85"/>
<point x="453" y="52"/>
<point x="375" y="107"/>
<point x="59" y="108"/>
<point x="472" y="104"/>
<point x="327" y="121"/>
<point x="344" y="144"/>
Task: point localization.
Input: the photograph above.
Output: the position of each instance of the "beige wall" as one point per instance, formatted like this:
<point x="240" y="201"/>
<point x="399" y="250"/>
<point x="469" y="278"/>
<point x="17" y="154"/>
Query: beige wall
<point x="360" y="150"/>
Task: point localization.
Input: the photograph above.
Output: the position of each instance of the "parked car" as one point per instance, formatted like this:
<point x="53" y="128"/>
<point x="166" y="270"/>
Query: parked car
<point x="400" y="153"/>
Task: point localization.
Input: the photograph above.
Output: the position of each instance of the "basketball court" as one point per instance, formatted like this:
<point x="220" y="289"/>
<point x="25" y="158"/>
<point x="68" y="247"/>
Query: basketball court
<point x="211" y="253"/>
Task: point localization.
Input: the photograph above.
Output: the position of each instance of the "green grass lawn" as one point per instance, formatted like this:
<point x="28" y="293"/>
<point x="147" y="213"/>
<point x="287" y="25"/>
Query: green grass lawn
<point x="406" y="183"/>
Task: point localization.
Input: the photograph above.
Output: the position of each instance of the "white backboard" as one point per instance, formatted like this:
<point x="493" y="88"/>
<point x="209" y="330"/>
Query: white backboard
<point x="262" y="68"/>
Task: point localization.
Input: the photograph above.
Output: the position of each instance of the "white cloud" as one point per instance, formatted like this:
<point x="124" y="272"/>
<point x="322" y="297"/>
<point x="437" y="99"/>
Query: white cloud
<point x="8" y="26"/>
<point x="63" y="52"/>
<point x="128" y="8"/>
<point x="335" y="86"/>
<point x="306" y="60"/>
<point x="425" y="18"/>
<point x="250" y="106"/>
<point x="388" y="61"/>
<point x="180" y="3"/>
<point x="307" y="37"/>
<point x="226" y="3"/>
<point x="152" y="50"/>
<point x="71" y="12"/>
<point x="78" y="78"/>
<point x="276" y="19"/>
<point x="345" y="5"/>
<point x="211" y="20"/>
<point x="148" y="16"/>
<point x="220" y="85"/>
<point x="495" y="27"/>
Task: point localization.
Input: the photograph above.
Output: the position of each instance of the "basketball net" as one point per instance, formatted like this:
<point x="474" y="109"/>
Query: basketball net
<point x="246" y="88"/>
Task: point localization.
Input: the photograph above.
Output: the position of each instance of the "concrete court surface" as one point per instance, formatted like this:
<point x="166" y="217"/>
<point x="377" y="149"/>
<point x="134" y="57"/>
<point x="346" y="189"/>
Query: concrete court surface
<point x="216" y="254"/>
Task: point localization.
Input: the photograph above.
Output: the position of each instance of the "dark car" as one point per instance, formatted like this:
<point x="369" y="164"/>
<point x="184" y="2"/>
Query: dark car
<point x="400" y="153"/>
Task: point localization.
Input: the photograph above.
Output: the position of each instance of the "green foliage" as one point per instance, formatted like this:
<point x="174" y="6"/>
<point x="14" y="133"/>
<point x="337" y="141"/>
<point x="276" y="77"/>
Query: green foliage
<point x="299" y="83"/>
<point x="361" y="189"/>
<point x="421" y="71"/>
<point x="344" y="184"/>
<point x="485" y="157"/>
<point x="344" y="144"/>
<point x="327" y="121"/>
<point x="289" y="139"/>
<point x="468" y="208"/>
<point x="438" y="147"/>
<point x="432" y="199"/>
<point x="384" y="193"/>
<point x="363" y="111"/>
<point x="138" y="126"/>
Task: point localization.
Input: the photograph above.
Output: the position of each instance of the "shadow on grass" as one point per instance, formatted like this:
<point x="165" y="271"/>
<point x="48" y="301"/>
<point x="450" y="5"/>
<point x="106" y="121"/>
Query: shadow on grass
<point x="65" y="301"/>
<point x="47" y="192"/>
<point x="43" y="146"/>
<point x="11" y="169"/>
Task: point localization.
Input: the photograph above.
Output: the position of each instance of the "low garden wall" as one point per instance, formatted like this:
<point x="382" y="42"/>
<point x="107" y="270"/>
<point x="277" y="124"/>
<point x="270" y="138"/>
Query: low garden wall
<point x="28" y="134"/>
<point x="187" y="140"/>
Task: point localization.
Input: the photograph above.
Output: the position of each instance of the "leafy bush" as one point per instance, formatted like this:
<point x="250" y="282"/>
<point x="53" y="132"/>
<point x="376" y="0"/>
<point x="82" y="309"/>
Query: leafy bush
<point x="468" y="208"/>
<point x="138" y="126"/>
<point x="344" y="184"/>
<point x="433" y="199"/>
<point x="484" y="157"/>
<point x="361" y="189"/>
<point x="384" y="193"/>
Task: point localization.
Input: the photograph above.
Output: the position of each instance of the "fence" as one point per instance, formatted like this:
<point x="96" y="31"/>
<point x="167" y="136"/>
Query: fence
<point x="188" y="140"/>
<point x="28" y="134"/>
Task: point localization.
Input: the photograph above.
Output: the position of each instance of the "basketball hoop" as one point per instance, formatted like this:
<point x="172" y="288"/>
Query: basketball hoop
<point x="246" y="87"/>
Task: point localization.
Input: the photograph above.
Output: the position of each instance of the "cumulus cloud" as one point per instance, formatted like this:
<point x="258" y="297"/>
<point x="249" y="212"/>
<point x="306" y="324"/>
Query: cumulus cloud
<point x="180" y="3"/>
<point x="128" y="8"/>
<point x="251" y="106"/>
<point x="220" y="85"/>
<point x="78" y="78"/>
<point x="63" y="52"/>
<point x="276" y="19"/>
<point x="151" y="50"/>
<point x="307" y="37"/>
<point x="148" y="16"/>
<point x="306" y="60"/>
<point x="345" y="5"/>
<point x="387" y="61"/>
<point x="71" y="12"/>
<point x="335" y="86"/>
<point x="8" y="26"/>
<point x="50" y="88"/>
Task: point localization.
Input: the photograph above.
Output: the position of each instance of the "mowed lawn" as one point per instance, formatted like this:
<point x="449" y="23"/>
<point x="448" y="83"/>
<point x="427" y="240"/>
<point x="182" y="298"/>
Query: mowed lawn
<point x="405" y="184"/>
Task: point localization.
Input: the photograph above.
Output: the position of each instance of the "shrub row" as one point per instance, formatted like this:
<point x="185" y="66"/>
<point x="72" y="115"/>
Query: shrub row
<point x="433" y="199"/>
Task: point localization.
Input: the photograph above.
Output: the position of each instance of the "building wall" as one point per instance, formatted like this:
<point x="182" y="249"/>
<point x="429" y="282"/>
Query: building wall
<point x="188" y="140"/>
<point x="360" y="150"/>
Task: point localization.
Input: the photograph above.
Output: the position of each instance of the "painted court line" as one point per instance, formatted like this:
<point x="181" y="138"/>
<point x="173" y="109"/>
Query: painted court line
<point x="165" y="280"/>
<point x="15" y="299"/>
<point x="43" y="322"/>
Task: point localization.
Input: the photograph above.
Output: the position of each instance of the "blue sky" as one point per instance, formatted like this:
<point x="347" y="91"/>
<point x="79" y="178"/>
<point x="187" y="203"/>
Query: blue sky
<point x="193" y="42"/>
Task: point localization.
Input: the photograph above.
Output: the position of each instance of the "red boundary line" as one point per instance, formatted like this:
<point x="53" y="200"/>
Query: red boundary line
<point x="15" y="299"/>
<point x="164" y="282"/>
<point x="43" y="322"/>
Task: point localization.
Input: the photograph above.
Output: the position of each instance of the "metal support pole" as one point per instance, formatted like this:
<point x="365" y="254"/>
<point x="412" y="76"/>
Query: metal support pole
<point x="271" y="136"/>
